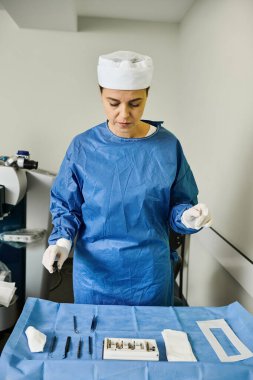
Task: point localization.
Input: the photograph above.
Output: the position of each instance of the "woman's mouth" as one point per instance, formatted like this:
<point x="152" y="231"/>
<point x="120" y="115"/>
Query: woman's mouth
<point x="124" y="124"/>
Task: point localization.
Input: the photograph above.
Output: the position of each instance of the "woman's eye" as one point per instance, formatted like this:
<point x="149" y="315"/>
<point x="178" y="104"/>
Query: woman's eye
<point x="116" y="105"/>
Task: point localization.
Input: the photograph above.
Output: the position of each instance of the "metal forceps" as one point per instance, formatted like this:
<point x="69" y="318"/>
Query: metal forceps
<point x="75" y="325"/>
<point x="67" y="345"/>
<point x="52" y="346"/>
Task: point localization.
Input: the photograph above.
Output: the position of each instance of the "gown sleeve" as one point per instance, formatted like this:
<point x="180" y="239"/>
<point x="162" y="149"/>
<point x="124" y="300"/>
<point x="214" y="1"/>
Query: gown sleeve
<point x="66" y="199"/>
<point x="184" y="194"/>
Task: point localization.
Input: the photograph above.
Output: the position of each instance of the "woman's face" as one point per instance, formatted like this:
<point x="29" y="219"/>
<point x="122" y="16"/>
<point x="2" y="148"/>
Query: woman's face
<point x="124" y="109"/>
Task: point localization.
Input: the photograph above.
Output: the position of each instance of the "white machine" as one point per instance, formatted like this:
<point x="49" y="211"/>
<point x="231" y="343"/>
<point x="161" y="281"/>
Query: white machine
<point x="24" y="228"/>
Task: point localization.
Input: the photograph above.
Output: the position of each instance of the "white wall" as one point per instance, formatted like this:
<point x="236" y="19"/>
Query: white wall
<point x="212" y="284"/>
<point x="216" y="128"/>
<point x="216" y="125"/>
<point x="48" y="82"/>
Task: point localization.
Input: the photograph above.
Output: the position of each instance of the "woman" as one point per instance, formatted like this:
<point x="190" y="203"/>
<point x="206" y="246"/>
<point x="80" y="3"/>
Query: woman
<point x="121" y="186"/>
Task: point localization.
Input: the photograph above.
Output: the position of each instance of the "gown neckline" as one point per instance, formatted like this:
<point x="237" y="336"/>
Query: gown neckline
<point x="114" y="137"/>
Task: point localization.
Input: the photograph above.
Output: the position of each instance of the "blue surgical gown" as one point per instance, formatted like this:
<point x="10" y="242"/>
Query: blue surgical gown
<point x="120" y="196"/>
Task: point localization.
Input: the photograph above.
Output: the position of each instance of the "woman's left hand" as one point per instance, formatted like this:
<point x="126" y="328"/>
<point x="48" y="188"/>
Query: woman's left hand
<point x="197" y="217"/>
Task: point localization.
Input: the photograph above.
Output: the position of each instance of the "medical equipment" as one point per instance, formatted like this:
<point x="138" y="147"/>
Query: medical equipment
<point x="7" y="291"/>
<point x="23" y="235"/>
<point x="67" y="345"/>
<point x="24" y="214"/>
<point x="9" y="315"/>
<point x="93" y="323"/>
<point x="75" y="325"/>
<point x="90" y="345"/>
<point x="145" y="321"/>
<point x="2" y="201"/>
<point x="20" y="160"/>
<point x="207" y="326"/>
<point x="36" y="339"/>
<point x="13" y="188"/>
<point x="130" y="349"/>
<point x="79" y="349"/>
<point x="5" y="273"/>
<point x="52" y="346"/>
<point x="55" y="267"/>
<point x="178" y="347"/>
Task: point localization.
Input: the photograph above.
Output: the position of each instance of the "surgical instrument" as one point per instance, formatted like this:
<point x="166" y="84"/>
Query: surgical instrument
<point x="52" y="346"/>
<point x="67" y="344"/>
<point x="90" y="345"/>
<point x="93" y="323"/>
<point x="55" y="266"/>
<point x="75" y="325"/>
<point x="79" y="349"/>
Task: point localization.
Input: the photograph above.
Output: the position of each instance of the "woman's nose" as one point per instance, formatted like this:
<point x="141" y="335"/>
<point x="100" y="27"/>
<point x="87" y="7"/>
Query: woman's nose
<point x="124" y="112"/>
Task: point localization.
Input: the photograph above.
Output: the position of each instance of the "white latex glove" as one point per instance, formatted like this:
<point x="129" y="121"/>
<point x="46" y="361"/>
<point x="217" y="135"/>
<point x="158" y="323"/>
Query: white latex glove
<point x="58" y="252"/>
<point x="197" y="217"/>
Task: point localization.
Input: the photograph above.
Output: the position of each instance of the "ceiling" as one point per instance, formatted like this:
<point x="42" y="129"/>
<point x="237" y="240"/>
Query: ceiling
<point x="63" y="14"/>
<point x="146" y="10"/>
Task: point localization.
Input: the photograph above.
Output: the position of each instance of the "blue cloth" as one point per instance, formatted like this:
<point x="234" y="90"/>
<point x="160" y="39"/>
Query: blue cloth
<point x="122" y="195"/>
<point x="17" y="362"/>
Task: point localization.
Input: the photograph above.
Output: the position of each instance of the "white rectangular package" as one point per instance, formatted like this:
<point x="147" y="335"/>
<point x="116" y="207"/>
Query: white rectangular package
<point x="130" y="349"/>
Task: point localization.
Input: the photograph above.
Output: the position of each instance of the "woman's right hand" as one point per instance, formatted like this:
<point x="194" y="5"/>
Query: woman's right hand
<point x="58" y="252"/>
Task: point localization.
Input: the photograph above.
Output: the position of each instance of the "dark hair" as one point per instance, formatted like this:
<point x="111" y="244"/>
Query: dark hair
<point x="101" y="89"/>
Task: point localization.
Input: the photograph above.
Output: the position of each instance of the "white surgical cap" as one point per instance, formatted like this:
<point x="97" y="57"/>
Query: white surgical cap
<point x="125" y="70"/>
